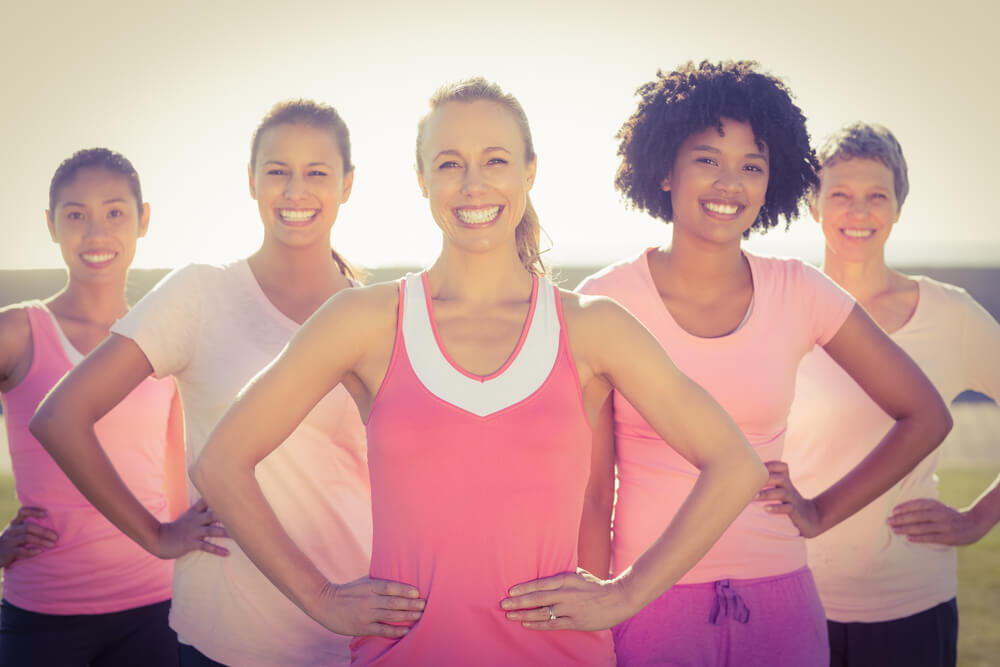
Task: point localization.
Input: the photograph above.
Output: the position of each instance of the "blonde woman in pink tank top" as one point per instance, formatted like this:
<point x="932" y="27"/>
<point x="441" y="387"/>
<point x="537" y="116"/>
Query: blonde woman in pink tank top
<point x="77" y="590"/>
<point x="478" y="381"/>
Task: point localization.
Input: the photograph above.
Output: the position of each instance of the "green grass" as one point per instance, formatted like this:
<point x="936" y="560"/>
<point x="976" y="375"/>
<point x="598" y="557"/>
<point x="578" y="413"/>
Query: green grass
<point x="978" y="568"/>
<point x="978" y="575"/>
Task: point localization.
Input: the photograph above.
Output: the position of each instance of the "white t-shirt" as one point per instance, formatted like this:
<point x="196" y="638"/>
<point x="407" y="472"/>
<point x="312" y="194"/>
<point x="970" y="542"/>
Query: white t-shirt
<point x="863" y="570"/>
<point x="213" y="329"/>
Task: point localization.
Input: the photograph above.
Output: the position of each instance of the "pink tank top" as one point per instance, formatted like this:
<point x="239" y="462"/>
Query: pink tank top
<point x="477" y="485"/>
<point x="93" y="568"/>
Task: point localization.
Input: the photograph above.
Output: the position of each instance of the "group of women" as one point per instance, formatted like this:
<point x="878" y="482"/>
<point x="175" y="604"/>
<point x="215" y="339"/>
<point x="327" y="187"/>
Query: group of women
<point x="471" y="465"/>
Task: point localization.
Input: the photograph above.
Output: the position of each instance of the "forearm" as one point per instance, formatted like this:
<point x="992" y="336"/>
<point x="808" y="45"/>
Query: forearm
<point x="911" y="439"/>
<point x="235" y="496"/>
<point x="76" y="450"/>
<point x="720" y="493"/>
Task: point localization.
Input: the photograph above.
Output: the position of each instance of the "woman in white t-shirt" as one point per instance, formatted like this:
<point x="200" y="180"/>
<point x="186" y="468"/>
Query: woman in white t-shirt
<point x="886" y="576"/>
<point x="213" y="328"/>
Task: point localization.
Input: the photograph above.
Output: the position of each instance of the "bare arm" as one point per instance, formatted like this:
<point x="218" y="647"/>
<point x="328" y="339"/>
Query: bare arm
<point x="898" y="386"/>
<point x="622" y="353"/>
<point x="598" y="503"/>
<point x="321" y="354"/>
<point x="64" y="425"/>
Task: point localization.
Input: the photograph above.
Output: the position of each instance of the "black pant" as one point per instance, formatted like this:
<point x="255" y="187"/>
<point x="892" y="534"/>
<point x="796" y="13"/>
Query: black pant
<point x="139" y="636"/>
<point x="927" y="639"/>
<point x="192" y="657"/>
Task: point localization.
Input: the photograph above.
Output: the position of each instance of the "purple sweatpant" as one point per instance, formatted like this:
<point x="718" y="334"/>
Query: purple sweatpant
<point x="772" y="622"/>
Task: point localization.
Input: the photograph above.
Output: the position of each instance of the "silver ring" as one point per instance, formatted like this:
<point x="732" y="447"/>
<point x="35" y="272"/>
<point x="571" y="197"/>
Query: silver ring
<point x="552" y="614"/>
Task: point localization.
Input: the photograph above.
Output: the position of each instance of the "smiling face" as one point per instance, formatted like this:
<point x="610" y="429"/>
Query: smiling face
<point x="856" y="206"/>
<point x="96" y="223"/>
<point x="299" y="184"/>
<point x="474" y="172"/>
<point x="718" y="183"/>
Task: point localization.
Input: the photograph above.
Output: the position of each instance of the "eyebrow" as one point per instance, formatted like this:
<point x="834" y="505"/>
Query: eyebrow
<point x="713" y="149"/>
<point x="488" y="149"/>
<point x="116" y="200"/>
<point x="285" y="164"/>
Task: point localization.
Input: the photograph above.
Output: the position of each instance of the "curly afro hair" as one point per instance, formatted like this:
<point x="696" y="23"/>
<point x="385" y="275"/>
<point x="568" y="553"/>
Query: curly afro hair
<point x="693" y="97"/>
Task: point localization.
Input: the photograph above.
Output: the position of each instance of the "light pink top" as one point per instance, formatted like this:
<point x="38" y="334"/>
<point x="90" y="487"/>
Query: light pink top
<point x="93" y="568"/>
<point x="477" y="485"/>
<point x="864" y="571"/>
<point x="751" y="373"/>
<point x="213" y="329"/>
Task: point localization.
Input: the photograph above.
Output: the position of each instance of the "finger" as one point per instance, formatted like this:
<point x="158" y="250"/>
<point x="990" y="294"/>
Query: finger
<point x="212" y="548"/>
<point x="530" y="601"/>
<point x="531" y="615"/>
<point x="29" y="512"/>
<point x="396" y="616"/>
<point x="399" y="603"/>
<point x="779" y="467"/>
<point x="920" y="516"/>
<point x="40" y="531"/>
<point x="928" y="528"/>
<point x="35" y="540"/>
<point x="916" y="505"/>
<point x="394" y="588"/>
<point x="28" y="551"/>
<point x="545" y="584"/>
<point x="780" y="508"/>
<point x="779" y="494"/>
<point x="214" y="530"/>
<point x="383" y="630"/>
<point x="561" y="623"/>
<point x="936" y="538"/>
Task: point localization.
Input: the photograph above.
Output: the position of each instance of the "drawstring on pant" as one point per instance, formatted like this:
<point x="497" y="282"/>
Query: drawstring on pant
<point x="728" y="603"/>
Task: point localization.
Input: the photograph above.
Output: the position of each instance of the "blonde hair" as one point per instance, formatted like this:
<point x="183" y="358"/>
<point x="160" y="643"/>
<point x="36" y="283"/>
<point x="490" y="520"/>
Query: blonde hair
<point x="528" y="232"/>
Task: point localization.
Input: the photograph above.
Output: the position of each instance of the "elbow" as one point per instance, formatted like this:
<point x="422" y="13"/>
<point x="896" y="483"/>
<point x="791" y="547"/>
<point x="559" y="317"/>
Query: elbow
<point x="42" y="424"/>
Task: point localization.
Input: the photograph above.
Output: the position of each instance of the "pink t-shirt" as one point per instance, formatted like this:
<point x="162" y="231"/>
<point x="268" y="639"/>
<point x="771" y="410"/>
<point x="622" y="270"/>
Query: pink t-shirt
<point x="477" y="485"/>
<point x="213" y="329"/>
<point x="93" y="568"/>
<point x="864" y="571"/>
<point x="751" y="373"/>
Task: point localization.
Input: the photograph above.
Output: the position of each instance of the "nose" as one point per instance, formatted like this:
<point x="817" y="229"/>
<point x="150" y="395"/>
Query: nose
<point x="294" y="186"/>
<point x="858" y="207"/>
<point x="97" y="226"/>
<point x="472" y="181"/>
<point x="729" y="180"/>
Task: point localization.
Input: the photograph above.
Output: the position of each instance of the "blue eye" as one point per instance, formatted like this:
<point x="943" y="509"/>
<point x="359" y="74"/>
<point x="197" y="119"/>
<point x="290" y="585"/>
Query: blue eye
<point x="496" y="160"/>
<point x="450" y="164"/>
<point x="317" y="172"/>
<point x="275" y="172"/>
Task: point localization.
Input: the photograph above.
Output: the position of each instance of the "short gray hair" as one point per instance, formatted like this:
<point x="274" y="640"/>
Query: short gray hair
<point x="869" y="141"/>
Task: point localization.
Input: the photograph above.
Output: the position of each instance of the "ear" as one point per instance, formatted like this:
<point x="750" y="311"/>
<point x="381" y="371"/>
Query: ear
<point x="814" y="206"/>
<point x="144" y="220"/>
<point x="532" y="169"/>
<point x="665" y="183"/>
<point x="345" y="193"/>
<point x="51" y="225"/>
<point x="253" y="186"/>
<point x="899" y="211"/>
<point x="420" y="180"/>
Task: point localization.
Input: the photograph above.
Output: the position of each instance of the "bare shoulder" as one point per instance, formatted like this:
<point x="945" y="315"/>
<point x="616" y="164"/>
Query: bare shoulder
<point x="589" y="312"/>
<point x="368" y="303"/>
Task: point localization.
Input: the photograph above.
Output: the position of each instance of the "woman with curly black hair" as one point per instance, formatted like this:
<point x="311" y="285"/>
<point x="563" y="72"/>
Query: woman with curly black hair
<point x="720" y="150"/>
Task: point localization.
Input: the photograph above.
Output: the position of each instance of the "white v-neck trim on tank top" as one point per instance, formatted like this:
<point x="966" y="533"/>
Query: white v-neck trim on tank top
<point x="519" y="378"/>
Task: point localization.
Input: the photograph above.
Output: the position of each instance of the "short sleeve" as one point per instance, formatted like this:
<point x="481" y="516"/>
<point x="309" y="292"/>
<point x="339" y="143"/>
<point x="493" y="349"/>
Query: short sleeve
<point x="826" y="303"/>
<point x="165" y="323"/>
<point x="980" y="349"/>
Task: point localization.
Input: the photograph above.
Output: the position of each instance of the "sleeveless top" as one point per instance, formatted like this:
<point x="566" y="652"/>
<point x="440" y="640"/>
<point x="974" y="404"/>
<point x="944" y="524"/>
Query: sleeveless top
<point x="477" y="485"/>
<point x="93" y="567"/>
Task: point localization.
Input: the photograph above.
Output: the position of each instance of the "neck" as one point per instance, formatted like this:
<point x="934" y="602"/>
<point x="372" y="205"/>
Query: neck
<point x="97" y="302"/>
<point x="863" y="279"/>
<point x="704" y="267"/>
<point x="303" y="269"/>
<point x="479" y="277"/>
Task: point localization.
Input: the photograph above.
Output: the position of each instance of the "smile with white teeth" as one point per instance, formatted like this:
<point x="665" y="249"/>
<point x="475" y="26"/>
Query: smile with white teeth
<point x="858" y="233"/>
<point x="477" y="216"/>
<point x="97" y="257"/>
<point x="296" y="215"/>
<point x="721" y="208"/>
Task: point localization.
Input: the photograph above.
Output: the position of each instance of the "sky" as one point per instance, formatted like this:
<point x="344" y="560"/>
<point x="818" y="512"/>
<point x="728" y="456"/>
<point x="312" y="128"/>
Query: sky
<point x="179" y="87"/>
